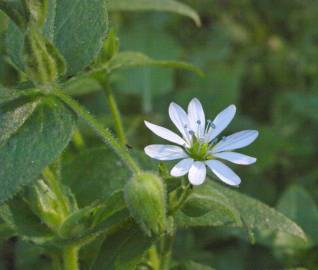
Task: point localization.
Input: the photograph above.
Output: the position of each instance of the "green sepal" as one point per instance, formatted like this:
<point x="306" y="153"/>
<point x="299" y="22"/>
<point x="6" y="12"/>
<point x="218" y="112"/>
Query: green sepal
<point x="37" y="11"/>
<point x="145" y="197"/>
<point x="44" y="203"/>
<point x="109" y="49"/>
<point x="43" y="62"/>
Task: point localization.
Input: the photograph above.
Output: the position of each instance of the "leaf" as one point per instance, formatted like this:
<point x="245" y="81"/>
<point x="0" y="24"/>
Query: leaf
<point x="80" y="28"/>
<point x="297" y="204"/>
<point x="136" y="59"/>
<point x="12" y="120"/>
<point x="18" y="216"/>
<point x="155" y="5"/>
<point x="95" y="174"/>
<point x="69" y="27"/>
<point x="258" y="216"/>
<point x="34" y="145"/>
<point x="208" y="207"/>
<point x="123" y="249"/>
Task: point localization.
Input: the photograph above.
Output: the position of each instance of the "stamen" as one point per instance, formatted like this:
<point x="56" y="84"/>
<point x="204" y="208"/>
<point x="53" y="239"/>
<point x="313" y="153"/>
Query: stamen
<point x="199" y="129"/>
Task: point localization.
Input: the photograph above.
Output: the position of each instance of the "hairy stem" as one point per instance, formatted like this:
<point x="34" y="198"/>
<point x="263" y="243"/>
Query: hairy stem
<point x="70" y="258"/>
<point x="104" y="133"/>
<point x="119" y="128"/>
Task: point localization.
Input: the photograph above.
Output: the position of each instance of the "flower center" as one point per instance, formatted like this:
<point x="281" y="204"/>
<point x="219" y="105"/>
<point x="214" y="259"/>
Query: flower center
<point x="200" y="150"/>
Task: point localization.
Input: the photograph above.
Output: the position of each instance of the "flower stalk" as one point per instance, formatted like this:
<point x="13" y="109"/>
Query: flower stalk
<point x="103" y="132"/>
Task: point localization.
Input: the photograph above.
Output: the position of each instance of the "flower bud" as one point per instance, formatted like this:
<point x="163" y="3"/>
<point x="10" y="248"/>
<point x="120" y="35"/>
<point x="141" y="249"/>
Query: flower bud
<point x="37" y="11"/>
<point x="145" y="197"/>
<point x="44" y="203"/>
<point x="42" y="60"/>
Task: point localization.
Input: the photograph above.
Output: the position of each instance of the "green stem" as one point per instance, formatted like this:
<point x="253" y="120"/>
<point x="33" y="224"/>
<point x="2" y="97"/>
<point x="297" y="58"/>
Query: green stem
<point x="104" y="133"/>
<point x="154" y="259"/>
<point x="70" y="258"/>
<point x="58" y="191"/>
<point x="166" y="251"/>
<point x="119" y="128"/>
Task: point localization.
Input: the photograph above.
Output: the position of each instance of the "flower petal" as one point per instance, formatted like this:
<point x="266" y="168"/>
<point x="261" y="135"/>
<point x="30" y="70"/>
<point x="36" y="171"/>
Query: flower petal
<point x="235" y="141"/>
<point x="165" y="152"/>
<point x="179" y="117"/>
<point x="165" y="133"/>
<point x="196" y="117"/>
<point x="197" y="173"/>
<point x="236" y="158"/>
<point x="182" y="167"/>
<point x="224" y="172"/>
<point x="221" y="121"/>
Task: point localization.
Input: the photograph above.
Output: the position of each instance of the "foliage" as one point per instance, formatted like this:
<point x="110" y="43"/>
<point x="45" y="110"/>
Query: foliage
<point x="70" y="83"/>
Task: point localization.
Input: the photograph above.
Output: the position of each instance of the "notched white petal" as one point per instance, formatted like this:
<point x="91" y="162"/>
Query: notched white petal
<point x="179" y="117"/>
<point x="236" y="158"/>
<point x="165" y="152"/>
<point x="165" y="133"/>
<point x="223" y="172"/>
<point x="197" y="173"/>
<point x="236" y="141"/>
<point x="221" y="121"/>
<point x="182" y="167"/>
<point x="196" y="117"/>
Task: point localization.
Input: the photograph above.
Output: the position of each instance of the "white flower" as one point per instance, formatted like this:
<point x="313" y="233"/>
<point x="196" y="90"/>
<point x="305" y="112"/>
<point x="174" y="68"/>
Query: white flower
<point x="198" y="146"/>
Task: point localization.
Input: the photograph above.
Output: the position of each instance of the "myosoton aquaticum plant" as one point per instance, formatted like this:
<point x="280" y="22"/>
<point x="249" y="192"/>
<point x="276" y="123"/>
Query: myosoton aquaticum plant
<point x="78" y="204"/>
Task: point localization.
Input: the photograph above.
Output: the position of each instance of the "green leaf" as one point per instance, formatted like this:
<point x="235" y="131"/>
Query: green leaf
<point x="34" y="145"/>
<point x="69" y="27"/>
<point x="95" y="174"/>
<point x="123" y="249"/>
<point x="257" y="215"/>
<point x="80" y="28"/>
<point x="136" y="59"/>
<point x="18" y="216"/>
<point x="297" y="204"/>
<point x="155" y="5"/>
<point x="12" y="120"/>
<point x="208" y="207"/>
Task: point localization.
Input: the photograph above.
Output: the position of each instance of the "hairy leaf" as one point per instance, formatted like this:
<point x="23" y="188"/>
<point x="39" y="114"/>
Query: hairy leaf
<point x="257" y="215"/>
<point x="69" y="27"/>
<point x="95" y="174"/>
<point x="123" y="249"/>
<point x="34" y="145"/>
<point x="208" y="207"/>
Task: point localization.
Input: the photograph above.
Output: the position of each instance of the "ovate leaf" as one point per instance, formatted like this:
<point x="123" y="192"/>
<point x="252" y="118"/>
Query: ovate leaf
<point x="135" y="59"/>
<point x="155" y="5"/>
<point x="69" y="27"/>
<point x="95" y="174"/>
<point x="123" y="250"/>
<point x="257" y="215"/>
<point x="208" y="207"/>
<point x="33" y="145"/>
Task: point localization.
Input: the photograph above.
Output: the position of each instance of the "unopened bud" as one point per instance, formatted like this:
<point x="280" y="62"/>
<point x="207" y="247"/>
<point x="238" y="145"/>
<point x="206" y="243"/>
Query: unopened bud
<point x="42" y="60"/>
<point x="37" y="11"/>
<point x="145" y="197"/>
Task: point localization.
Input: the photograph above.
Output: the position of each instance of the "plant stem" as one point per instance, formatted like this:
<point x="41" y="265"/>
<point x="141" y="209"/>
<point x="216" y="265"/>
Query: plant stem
<point x="104" y="133"/>
<point x="119" y="128"/>
<point x="70" y="258"/>
<point x="166" y="251"/>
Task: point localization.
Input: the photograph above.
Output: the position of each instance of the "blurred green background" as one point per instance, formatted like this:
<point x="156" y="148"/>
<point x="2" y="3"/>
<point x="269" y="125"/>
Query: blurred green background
<point x="263" y="57"/>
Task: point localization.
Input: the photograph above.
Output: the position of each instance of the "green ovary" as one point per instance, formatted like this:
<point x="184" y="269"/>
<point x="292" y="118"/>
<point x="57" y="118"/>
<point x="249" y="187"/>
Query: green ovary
<point x="199" y="151"/>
